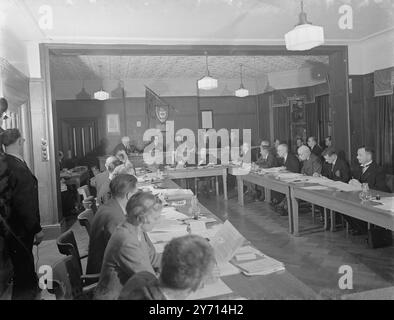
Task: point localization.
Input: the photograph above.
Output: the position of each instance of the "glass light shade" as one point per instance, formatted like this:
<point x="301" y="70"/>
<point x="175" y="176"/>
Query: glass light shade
<point x="304" y="37"/>
<point x="207" y="83"/>
<point x="101" y="95"/>
<point x="241" y="92"/>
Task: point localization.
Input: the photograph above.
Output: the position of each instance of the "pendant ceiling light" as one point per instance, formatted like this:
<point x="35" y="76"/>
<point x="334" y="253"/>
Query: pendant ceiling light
<point x="304" y="36"/>
<point x="101" y="94"/>
<point x="207" y="82"/>
<point x="241" y="92"/>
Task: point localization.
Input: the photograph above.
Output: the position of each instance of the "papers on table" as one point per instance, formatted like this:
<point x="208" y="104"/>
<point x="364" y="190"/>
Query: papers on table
<point x="176" y="194"/>
<point x="289" y="177"/>
<point x="198" y="228"/>
<point x="210" y="290"/>
<point x="387" y="204"/>
<point x="169" y="213"/>
<point x="226" y="242"/>
<point x="253" y="262"/>
<point x="346" y="187"/>
<point x="156" y="237"/>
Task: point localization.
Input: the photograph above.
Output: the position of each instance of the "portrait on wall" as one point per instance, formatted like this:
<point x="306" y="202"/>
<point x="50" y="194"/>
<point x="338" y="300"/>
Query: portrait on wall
<point x="206" y="119"/>
<point x="113" y="125"/>
<point x="297" y="110"/>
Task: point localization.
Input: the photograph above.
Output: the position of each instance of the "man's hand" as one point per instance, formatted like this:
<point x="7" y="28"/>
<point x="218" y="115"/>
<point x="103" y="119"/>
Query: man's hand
<point x="38" y="238"/>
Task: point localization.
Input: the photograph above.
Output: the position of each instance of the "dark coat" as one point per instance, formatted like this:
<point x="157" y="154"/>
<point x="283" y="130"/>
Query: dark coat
<point x="317" y="150"/>
<point x="104" y="223"/>
<point x="374" y="176"/>
<point x="292" y="164"/>
<point x="270" y="162"/>
<point x="312" y="165"/>
<point x="340" y="171"/>
<point x="24" y="217"/>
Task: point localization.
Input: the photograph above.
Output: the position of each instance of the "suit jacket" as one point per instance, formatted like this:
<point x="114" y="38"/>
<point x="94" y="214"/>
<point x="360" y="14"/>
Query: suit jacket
<point x="104" y="223"/>
<point x="317" y="150"/>
<point x="374" y="176"/>
<point x="99" y="180"/>
<point x="142" y="286"/>
<point x="124" y="256"/>
<point x="312" y="165"/>
<point x="292" y="164"/>
<point x="340" y="171"/>
<point x="24" y="218"/>
<point x="270" y="162"/>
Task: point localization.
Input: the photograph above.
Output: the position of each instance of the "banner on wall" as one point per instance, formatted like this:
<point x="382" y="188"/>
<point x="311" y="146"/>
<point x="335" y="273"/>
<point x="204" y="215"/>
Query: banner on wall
<point x="384" y="82"/>
<point x="155" y="107"/>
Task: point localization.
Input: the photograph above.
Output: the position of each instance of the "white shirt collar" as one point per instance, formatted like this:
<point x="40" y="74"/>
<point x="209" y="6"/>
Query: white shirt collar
<point x="366" y="164"/>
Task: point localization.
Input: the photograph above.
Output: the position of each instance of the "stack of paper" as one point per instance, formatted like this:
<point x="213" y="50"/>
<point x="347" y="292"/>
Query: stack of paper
<point x="387" y="204"/>
<point x="264" y="265"/>
<point x="199" y="228"/>
<point x="176" y="194"/>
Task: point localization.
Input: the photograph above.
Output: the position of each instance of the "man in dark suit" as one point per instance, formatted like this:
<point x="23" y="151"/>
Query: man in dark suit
<point x="289" y="160"/>
<point x="335" y="168"/>
<point x="126" y="146"/>
<point x="311" y="163"/>
<point x="22" y="226"/>
<point x="315" y="148"/>
<point x="368" y="172"/>
<point x="107" y="218"/>
<point x="266" y="159"/>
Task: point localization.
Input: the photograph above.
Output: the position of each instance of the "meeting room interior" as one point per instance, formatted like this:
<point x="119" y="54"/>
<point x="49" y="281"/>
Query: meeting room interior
<point x="186" y="150"/>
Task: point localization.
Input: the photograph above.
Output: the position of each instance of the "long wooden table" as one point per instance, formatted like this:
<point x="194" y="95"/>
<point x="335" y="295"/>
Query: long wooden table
<point x="280" y="285"/>
<point x="268" y="182"/>
<point x="199" y="172"/>
<point x="347" y="203"/>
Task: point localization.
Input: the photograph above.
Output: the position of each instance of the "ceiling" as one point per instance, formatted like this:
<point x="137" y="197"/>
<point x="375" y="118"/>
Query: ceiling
<point x="167" y="67"/>
<point x="194" y="20"/>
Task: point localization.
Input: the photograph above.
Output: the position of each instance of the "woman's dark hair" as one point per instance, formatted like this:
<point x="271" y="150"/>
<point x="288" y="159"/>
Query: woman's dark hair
<point x="122" y="184"/>
<point x="186" y="261"/>
<point x="9" y="136"/>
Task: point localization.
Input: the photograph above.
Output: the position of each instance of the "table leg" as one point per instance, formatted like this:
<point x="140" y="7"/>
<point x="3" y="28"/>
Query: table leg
<point x="225" y="185"/>
<point x="267" y="193"/>
<point x="195" y="186"/>
<point x="290" y="212"/>
<point x="217" y="185"/>
<point x="294" y="203"/>
<point x="240" y="186"/>
<point x="333" y="222"/>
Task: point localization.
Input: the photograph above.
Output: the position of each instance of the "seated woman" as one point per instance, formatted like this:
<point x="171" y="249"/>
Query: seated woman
<point x="187" y="261"/>
<point x="129" y="249"/>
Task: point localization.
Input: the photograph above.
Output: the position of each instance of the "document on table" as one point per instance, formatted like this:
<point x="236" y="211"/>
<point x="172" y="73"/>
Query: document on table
<point x="210" y="290"/>
<point x="226" y="242"/>
<point x="198" y="228"/>
<point x="262" y="266"/>
<point x="156" y="237"/>
<point x="315" y="188"/>
<point x="346" y="187"/>
<point x="227" y="269"/>
<point x="170" y="213"/>
<point x="387" y="204"/>
<point x="170" y="227"/>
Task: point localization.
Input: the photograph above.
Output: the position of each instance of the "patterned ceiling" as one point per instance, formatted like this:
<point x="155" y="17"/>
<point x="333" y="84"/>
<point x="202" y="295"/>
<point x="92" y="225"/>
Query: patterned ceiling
<point x="166" y="67"/>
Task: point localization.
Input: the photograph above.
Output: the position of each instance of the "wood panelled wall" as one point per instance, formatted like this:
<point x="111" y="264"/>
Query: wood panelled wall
<point x="228" y="112"/>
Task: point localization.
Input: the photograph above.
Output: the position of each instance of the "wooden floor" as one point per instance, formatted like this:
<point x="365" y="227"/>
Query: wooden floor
<point x="313" y="258"/>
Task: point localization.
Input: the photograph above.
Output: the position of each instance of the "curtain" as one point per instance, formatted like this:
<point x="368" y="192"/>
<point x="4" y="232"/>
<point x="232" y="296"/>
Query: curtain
<point x="385" y="130"/>
<point x="311" y="119"/>
<point x="323" y="109"/>
<point x="282" y="124"/>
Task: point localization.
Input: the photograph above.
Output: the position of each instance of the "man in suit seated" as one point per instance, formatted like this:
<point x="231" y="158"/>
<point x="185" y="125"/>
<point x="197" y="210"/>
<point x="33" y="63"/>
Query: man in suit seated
<point x="126" y="146"/>
<point x="291" y="163"/>
<point x="108" y="217"/>
<point x="368" y="172"/>
<point x="335" y="168"/>
<point x="315" y="148"/>
<point x="311" y="163"/>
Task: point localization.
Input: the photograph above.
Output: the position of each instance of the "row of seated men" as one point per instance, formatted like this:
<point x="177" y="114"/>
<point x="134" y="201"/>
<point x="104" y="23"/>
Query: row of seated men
<point x="313" y="161"/>
<point x="122" y="253"/>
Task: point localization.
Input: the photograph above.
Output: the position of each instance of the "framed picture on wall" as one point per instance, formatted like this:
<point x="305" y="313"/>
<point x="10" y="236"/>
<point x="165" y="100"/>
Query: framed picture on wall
<point x="113" y="125"/>
<point x="297" y="111"/>
<point x="206" y="119"/>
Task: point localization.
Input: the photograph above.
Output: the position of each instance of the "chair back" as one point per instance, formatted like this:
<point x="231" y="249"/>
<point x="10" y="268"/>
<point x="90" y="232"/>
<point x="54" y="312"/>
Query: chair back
<point x="85" y="218"/>
<point x="67" y="245"/>
<point x="66" y="283"/>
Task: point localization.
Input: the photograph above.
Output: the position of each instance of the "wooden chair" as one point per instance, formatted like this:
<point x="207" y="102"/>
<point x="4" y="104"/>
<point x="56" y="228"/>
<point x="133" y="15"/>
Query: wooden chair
<point x="67" y="245"/>
<point x="85" y="219"/>
<point x="68" y="282"/>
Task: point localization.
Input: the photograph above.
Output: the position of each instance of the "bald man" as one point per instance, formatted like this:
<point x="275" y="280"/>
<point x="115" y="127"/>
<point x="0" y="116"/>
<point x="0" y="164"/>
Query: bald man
<point x="311" y="163"/>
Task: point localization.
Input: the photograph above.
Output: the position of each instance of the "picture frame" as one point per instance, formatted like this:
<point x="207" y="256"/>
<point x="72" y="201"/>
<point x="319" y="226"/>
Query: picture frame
<point x="113" y="124"/>
<point x="297" y="111"/>
<point x="206" y="119"/>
